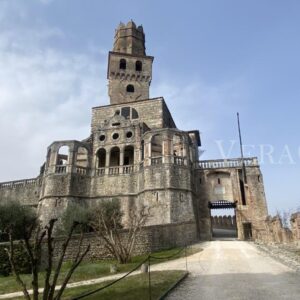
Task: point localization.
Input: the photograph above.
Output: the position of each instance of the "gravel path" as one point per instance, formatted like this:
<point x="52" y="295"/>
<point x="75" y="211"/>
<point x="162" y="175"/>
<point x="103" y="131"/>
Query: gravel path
<point x="236" y="270"/>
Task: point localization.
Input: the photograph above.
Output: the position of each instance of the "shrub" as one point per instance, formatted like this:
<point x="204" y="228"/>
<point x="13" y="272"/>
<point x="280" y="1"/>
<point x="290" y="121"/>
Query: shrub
<point x="21" y="258"/>
<point x="75" y="213"/>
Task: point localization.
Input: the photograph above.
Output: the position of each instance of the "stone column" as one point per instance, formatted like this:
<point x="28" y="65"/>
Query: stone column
<point x="107" y="161"/>
<point x="122" y="156"/>
<point x="71" y="160"/>
<point x="107" y="158"/>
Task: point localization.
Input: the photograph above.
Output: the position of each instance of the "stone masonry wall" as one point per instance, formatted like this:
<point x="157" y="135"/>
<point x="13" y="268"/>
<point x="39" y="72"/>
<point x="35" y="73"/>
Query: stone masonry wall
<point x="276" y="233"/>
<point x="152" y="112"/>
<point x="26" y="191"/>
<point x="223" y="222"/>
<point x="150" y="239"/>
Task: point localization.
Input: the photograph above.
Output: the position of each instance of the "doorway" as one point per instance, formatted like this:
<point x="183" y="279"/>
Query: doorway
<point x="223" y="219"/>
<point x="247" y="228"/>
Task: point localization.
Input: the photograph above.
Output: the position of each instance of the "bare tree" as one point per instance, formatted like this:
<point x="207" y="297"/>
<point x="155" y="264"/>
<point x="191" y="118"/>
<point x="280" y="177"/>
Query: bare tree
<point x="285" y="217"/>
<point x="34" y="237"/>
<point x="106" y="220"/>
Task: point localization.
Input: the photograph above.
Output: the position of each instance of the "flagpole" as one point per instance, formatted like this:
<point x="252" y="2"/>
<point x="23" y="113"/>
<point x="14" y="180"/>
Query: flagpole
<point x="241" y="147"/>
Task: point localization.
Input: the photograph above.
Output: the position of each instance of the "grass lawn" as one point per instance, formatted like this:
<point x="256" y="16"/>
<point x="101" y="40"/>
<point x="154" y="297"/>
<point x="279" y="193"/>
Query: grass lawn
<point x="131" y="288"/>
<point x="90" y="270"/>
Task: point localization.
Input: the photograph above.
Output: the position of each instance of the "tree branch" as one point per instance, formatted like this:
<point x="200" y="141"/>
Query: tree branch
<point x="10" y="254"/>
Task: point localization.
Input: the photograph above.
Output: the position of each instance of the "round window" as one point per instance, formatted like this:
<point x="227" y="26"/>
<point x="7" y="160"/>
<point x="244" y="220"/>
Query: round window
<point x="102" y="137"/>
<point x="129" y="134"/>
<point x="115" y="136"/>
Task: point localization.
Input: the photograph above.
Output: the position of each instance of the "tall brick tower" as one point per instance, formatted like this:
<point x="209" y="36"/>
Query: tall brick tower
<point x="129" y="68"/>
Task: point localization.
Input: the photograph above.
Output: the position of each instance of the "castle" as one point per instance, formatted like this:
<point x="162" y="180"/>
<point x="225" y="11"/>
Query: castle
<point x="136" y="153"/>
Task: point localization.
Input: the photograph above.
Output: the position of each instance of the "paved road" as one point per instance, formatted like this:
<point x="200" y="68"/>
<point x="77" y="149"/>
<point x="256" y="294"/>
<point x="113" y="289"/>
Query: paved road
<point x="236" y="270"/>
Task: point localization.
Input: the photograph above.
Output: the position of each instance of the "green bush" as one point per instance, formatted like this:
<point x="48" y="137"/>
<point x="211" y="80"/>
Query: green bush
<point x="75" y="213"/>
<point x="5" y="268"/>
<point x="21" y="260"/>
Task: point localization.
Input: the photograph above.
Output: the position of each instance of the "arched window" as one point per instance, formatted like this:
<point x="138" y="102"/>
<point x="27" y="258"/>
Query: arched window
<point x="82" y="157"/>
<point x="122" y="64"/>
<point x="130" y="88"/>
<point x="129" y="113"/>
<point x="63" y="156"/>
<point x="101" y="157"/>
<point x="129" y="155"/>
<point x="156" y="146"/>
<point x="138" y="65"/>
<point x="114" y="157"/>
<point x="125" y="112"/>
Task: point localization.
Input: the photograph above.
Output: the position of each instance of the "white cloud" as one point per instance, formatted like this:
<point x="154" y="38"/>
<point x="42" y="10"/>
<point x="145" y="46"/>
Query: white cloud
<point x="197" y="105"/>
<point x="45" y="95"/>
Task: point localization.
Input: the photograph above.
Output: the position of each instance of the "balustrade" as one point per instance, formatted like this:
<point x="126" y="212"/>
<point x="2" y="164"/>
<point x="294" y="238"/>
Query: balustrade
<point x="100" y="171"/>
<point x="81" y="170"/>
<point x="19" y="183"/>
<point x="227" y="163"/>
<point x="156" y="160"/>
<point x="60" y="169"/>
<point x="127" y="169"/>
<point x="178" y="160"/>
<point x="114" y="171"/>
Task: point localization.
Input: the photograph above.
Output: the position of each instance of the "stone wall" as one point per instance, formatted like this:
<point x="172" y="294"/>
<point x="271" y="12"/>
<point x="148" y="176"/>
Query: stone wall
<point x="276" y="233"/>
<point x="295" y="226"/>
<point x="153" y="112"/>
<point x="150" y="239"/>
<point x="26" y="191"/>
<point x="223" y="180"/>
<point x="223" y="222"/>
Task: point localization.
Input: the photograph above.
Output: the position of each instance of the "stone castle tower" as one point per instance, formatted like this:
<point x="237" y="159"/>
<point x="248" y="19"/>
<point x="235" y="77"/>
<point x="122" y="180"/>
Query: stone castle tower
<point x="129" y="68"/>
<point x="136" y="153"/>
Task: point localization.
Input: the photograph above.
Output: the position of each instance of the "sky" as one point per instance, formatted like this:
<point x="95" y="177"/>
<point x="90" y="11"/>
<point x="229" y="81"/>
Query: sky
<point x="212" y="60"/>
